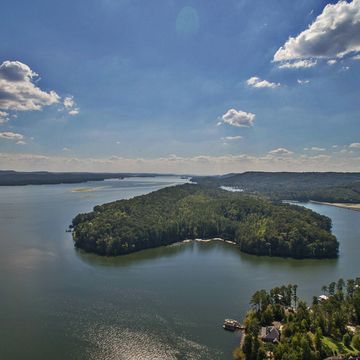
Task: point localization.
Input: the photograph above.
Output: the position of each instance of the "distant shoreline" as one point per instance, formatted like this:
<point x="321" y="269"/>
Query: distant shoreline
<point x="349" y="206"/>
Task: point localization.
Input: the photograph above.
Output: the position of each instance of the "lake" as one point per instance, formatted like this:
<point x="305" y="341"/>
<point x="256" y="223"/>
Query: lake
<point x="165" y="303"/>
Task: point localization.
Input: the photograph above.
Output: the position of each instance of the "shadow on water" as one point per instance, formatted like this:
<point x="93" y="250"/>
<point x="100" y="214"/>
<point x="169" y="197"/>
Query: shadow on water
<point x="218" y="248"/>
<point x="134" y="258"/>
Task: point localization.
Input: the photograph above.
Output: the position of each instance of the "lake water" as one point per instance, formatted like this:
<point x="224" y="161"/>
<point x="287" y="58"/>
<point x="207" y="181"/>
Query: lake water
<point x="165" y="303"/>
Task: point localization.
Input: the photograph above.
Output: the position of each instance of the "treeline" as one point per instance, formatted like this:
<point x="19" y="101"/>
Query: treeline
<point x="257" y="225"/>
<point x="326" y="187"/>
<point x="330" y="326"/>
<point x="12" y="178"/>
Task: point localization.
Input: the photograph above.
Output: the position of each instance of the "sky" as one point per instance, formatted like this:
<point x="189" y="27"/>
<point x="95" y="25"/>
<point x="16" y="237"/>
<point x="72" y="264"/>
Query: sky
<point x="173" y="86"/>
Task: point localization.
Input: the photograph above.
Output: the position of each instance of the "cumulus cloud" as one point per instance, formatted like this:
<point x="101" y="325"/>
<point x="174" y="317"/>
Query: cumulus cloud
<point x="331" y="62"/>
<point x="232" y="138"/>
<point x="298" y="64"/>
<point x="315" y="148"/>
<point x="8" y="135"/>
<point x="333" y="34"/>
<point x="68" y="102"/>
<point x="256" y="82"/>
<point x="280" y="152"/>
<point x="238" y="118"/>
<point x="303" y="82"/>
<point x="70" y="105"/>
<point x="355" y="145"/>
<point x="18" y="90"/>
<point x="4" y="117"/>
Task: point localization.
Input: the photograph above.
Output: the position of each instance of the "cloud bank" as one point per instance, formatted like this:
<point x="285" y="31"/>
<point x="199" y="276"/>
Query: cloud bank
<point x="278" y="160"/>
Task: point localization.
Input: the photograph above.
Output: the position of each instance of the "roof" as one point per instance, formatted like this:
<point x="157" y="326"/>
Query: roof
<point x="269" y="333"/>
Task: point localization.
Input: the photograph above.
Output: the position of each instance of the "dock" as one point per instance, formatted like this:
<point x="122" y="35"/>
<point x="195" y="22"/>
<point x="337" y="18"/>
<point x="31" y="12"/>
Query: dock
<point x="232" y="325"/>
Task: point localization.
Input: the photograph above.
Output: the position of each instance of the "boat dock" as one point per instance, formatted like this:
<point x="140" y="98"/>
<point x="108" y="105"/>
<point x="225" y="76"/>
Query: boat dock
<point x="232" y="325"/>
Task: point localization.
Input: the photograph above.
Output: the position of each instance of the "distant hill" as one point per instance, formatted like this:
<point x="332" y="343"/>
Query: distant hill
<point x="328" y="186"/>
<point x="10" y="177"/>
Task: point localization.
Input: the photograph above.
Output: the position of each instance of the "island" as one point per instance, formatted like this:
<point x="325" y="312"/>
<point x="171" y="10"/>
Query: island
<point x="256" y="224"/>
<point x="279" y="326"/>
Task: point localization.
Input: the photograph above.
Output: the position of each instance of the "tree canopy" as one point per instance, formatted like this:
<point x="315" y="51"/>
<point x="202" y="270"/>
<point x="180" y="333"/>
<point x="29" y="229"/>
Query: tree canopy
<point x="254" y="223"/>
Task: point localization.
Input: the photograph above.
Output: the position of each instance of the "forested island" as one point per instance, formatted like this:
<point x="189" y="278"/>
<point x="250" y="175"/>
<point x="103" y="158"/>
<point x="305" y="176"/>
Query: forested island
<point x="256" y="224"/>
<point x="332" y="187"/>
<point x="279" y="326"/>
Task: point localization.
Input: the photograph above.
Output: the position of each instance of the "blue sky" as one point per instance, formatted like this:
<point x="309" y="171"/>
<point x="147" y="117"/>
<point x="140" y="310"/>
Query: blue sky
<point x="180" y="86"/>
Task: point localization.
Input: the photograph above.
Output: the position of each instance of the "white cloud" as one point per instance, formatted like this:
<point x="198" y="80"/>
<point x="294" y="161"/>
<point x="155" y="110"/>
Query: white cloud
<point x="355" y="145"/>
<point x="74" y="111"/>
<point x="68" y="102"/>
<point x="4" y="117"/>
<point x="280" y="152"/>
<point x="303" y="82"/>
<point x="70" y="106"/>
<point x="333" y="34"/>
<point x="18" y="90"/>
<point x="298" y="64"/>
<point x="256" y="82"/>
<point x="356" y="57"/>
<point x="238" y="118"/>
<point x="232" y="138"/>
<point x="21" y="142"/>
<point x="331" y="62"/>
<point x="8" y="135"/>
<point x="65" y="149"/>
<point x="315" y="148"/>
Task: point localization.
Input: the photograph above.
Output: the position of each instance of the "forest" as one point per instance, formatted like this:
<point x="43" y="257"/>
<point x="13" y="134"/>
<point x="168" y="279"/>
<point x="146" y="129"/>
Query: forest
<point x="13" y="178"/>
<point x="256" y="224"/>
<point x="326" y="186"/>
<point x="330" y="326"/>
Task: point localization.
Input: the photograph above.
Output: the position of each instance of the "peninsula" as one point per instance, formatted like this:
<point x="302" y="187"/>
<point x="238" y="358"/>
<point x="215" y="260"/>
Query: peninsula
<point x="256" y="224"/>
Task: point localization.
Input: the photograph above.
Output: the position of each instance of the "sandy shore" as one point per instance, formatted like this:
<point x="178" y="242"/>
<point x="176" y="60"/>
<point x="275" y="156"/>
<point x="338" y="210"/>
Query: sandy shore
<point x="88" y="189"/>
<point x="208" y="240"/>
<point x="349" y="206"/>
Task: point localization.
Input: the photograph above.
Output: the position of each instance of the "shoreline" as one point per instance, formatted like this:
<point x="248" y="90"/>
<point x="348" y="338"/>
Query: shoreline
<point x="207" y="240"/>
<point x="349" y="206"/>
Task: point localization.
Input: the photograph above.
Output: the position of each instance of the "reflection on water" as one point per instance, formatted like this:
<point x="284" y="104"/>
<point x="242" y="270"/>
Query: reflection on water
<point x="164" y="303"/>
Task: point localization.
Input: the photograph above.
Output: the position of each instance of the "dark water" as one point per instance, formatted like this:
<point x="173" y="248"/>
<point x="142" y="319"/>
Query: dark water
<point x="165" y="303"/>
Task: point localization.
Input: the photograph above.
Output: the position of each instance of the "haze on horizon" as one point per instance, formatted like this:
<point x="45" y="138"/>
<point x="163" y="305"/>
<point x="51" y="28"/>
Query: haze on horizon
<point x="180" y="86"/>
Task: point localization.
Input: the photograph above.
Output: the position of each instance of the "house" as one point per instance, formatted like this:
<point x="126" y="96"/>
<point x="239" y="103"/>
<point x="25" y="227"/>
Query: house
<point x="269" y="334"/>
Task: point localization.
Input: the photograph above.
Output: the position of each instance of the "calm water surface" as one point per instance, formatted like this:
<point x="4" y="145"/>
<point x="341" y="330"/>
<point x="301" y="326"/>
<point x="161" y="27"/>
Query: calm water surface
<point x="165" y="303"/>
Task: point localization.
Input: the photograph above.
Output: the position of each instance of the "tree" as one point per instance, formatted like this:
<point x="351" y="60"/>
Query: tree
<point x="318" y="336"/>
<point x="340" y="285"/>
<point x="332" y="286"/>
<point x="247" y="347"/>
<point x="295" y="298"/>
<point x="346" y="339"/>
<point x="356" y="341"/>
